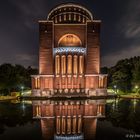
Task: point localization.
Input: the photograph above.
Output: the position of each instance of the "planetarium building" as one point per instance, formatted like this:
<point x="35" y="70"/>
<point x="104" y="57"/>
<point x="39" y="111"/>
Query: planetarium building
<point x="69" y="54"/>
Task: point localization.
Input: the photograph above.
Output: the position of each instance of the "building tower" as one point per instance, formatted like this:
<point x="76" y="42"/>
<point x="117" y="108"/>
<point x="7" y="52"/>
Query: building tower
<point x="69" y="54"/>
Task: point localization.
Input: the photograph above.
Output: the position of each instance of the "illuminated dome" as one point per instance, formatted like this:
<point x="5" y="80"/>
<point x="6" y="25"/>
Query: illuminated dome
<point x="70" y="13"/>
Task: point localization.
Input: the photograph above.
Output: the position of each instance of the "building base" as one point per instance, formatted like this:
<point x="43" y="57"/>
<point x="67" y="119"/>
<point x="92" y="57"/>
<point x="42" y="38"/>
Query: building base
<point x="69" y="93"/>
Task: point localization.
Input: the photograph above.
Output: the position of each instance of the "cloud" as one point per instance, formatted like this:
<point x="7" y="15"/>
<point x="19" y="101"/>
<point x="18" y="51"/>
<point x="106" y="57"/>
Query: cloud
<point x="129" y="24"/>
<point x="126" y="42"/>
<point x="132" y="30"/>
<point x="19" y="28"/>
<point x="27" y="59"/>
<point x="23" y="59"/>
<point x="111" y="59"/>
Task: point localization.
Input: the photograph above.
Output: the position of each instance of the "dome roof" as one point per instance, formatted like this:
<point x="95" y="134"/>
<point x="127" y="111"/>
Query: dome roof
<point x="70" y="13"/>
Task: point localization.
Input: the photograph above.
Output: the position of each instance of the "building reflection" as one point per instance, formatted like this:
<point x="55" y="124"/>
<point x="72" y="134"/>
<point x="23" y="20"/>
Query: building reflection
<point x="61" y="120"/>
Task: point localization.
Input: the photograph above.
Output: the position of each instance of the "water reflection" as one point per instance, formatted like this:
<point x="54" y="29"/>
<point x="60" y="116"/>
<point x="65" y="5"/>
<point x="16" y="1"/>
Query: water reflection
<point x="110" y="119"/>
<point x="73" y="120"/>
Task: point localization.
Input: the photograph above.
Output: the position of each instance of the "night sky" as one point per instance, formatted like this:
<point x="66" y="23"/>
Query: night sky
<point x="19" y="43"/>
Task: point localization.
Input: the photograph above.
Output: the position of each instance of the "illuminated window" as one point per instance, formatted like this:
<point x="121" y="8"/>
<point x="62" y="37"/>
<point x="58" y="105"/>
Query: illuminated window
<point x="63" y="64"/>
<point x="37" y="83"/>
<point x="81" y="64"/>
<point x="57" y="64"/>
<point x="75" y="65"/>
<point x="69" y="40"/>
<point x="69" y="65"/>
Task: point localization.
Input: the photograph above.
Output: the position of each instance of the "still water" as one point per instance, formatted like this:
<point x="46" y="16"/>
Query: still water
<point x="70" y="120"/>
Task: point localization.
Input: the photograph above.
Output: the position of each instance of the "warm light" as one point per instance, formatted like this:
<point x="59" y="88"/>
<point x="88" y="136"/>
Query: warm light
<point x="69" y="125"/>
<point x="69" y="40"/>
<point x="74" y="124"/>
<point x="75" y="65"/>
<point x="57" y="64"/>
<point x="58" y="125"/>
<point x="63" y="124"/>
<point x="63" y="64"/>
<point x="81" y="64"/>
<point x="69" y="64"/>
<point x="38" y="83"/>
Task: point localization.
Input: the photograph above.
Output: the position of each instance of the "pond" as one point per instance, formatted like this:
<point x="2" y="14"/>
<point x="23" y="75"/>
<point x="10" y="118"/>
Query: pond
<point x="70" y="120"/>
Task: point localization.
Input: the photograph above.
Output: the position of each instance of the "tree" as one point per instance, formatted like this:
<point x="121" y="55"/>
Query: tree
<point x="12" y="77"/>
<point x="136" y="73"/>
<point x="121" y="75"/>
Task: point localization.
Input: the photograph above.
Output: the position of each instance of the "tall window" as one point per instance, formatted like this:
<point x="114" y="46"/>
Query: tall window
<point x="63" y="64"/>
<point x="57" y="64"/>
<point x="75" y="64"/>
<point x="81" y="64"/>
<point x="69" y="65"/>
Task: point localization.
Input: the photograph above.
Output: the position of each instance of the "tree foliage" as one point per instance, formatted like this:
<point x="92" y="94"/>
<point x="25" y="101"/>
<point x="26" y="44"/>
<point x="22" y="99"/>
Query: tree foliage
<point x="12" y="77"/>
<point x="125" y="74"/>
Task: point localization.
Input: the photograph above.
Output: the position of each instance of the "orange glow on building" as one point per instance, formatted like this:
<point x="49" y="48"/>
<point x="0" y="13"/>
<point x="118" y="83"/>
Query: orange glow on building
<point x="75" y="64"/>
<point x="67" y="119"/>
<point x="69" y="40"/>
<point x="69" y="64"/>
<point x="69" y="57"/>
<point x="57" y="64"/>
<point x="81" y="64"/>
<point x="63" y="64"/>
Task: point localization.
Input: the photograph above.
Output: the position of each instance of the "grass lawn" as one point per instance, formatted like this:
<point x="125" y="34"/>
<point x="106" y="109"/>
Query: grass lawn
<point x="131" y="95"/>
<point x="7" y="98"/>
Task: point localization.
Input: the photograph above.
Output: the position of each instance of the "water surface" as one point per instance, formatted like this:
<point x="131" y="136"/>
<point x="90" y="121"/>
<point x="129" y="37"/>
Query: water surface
<point x="71" y="119"/>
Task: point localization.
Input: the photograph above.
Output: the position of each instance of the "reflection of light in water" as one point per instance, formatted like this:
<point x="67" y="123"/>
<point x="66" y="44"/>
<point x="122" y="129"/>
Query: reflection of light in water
<point x="63" y="125"/>
<point x="79" y="124"/>
<point x="23" y="105"/>
<point x="23" y="108"/>
<point x="70" y="120"/>
<point x="134" y="104"/>
<point x="58" y="124"/>
<point x="70" y="137"/>
<point x="69" y="125"/>
<point x="74" y="124"/>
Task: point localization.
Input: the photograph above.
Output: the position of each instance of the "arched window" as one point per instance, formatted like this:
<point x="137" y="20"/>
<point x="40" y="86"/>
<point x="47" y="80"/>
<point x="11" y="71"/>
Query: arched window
<point x="69" y="40"/>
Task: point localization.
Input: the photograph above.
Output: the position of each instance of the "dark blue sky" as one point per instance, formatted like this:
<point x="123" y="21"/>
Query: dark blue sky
<point x="120" y="32"/>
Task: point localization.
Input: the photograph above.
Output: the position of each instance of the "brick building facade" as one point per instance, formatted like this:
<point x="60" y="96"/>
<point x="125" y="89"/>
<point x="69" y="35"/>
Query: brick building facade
<point x="69" y="54"/>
